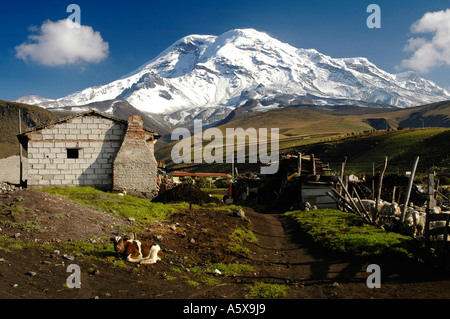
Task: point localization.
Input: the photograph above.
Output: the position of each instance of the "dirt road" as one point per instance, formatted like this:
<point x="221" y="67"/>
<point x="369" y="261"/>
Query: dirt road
<point x="284" y="256"/>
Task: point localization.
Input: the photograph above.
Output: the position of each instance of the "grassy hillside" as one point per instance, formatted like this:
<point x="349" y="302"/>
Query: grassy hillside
<point x="304" y="126"/>
<point x="297" y="126"/>
<point x="31" y="116"/>
<point x="368" y="150"/>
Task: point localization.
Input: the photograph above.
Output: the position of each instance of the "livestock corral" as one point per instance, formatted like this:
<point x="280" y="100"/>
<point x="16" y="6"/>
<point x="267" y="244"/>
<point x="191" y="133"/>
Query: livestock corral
<point x="392" y="202"/>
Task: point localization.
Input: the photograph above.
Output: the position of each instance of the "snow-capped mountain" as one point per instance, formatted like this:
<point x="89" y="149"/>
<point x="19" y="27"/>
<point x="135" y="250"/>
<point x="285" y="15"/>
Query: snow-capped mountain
<point x="205" y="71"/>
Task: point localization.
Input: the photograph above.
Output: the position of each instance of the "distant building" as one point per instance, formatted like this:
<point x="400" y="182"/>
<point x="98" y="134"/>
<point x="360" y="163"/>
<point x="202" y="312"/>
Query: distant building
<point x="92" y="149"/>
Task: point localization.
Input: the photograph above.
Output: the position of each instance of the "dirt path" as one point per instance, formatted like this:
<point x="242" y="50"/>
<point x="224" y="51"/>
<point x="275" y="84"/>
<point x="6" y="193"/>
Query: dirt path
<point x="284" y="256"/>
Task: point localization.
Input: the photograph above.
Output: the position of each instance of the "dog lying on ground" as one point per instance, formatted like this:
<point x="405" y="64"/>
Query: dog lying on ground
<point x="137" y="251"/>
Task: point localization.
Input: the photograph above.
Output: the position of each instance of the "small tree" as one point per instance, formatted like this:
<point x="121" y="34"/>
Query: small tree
<point x="186" y="180"/>
<point x="202" y="182"/>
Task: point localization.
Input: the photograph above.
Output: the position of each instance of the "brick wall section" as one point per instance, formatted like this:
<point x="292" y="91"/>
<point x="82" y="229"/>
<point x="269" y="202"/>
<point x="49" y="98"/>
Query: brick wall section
<point x="98" y="140"/>
<point x="135" y="166"/>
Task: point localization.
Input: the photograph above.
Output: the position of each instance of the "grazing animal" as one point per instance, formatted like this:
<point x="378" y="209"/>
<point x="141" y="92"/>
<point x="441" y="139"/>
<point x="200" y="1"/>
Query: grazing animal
<point x="390" y="209"/>
<point x="137" y="251"/>
<point x="415" y="221"/>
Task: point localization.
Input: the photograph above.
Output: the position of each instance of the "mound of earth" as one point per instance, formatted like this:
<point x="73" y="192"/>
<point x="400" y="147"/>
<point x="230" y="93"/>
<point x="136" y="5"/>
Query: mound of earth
<point x="34" y="215"/>
<point x="184" y="193"/>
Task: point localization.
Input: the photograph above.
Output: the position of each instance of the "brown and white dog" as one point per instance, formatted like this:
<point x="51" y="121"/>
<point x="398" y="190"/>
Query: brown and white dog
<point x="137" y="251"/>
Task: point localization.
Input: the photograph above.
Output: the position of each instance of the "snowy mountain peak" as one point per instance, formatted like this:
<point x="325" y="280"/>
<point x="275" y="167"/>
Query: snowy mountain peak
<point x="201" y="71"/>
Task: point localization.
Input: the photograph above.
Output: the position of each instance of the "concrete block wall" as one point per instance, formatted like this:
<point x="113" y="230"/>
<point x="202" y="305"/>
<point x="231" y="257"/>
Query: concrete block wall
<point x="97" y="139"/>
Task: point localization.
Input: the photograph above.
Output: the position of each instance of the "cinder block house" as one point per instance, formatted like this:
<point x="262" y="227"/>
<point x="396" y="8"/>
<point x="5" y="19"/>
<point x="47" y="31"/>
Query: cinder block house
<point x="93" y="149"/>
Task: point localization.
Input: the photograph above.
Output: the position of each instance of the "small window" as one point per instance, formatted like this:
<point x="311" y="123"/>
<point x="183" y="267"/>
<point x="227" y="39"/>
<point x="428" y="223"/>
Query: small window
<point x="73" y="153"/>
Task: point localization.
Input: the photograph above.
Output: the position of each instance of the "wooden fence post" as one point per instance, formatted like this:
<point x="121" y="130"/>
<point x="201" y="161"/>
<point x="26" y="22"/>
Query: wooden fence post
<point x="313" y="164"/>
<point x="380" y="185"/>
<point x="430" y="206"/>
<point x="299" y="164"/>
<point x="408" y="190"/>
<point x="393" y="193"/>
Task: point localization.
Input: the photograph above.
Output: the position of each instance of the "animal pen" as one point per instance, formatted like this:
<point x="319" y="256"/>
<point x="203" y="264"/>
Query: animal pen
<point x="300" y="183"/>
<point x="304" y="182"/>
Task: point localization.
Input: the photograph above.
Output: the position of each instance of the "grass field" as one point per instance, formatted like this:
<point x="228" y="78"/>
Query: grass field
<point x="347" y="233"/>
<point x="127" y="206"/>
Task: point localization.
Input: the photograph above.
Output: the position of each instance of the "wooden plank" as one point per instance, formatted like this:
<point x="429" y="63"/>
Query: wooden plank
<point x="315" y="192"/>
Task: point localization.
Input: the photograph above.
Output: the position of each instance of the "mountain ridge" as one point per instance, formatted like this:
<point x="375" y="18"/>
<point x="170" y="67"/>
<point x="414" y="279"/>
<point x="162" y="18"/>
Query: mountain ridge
<point x="201" y="71"/>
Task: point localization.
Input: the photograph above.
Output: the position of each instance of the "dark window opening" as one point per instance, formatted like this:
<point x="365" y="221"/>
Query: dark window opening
<point x="73" y="153"/>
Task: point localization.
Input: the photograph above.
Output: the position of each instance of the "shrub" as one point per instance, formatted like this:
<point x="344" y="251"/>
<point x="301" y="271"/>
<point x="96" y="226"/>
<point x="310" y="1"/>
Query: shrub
<point x="187" y="180"/>
<point x="202" y="182"/>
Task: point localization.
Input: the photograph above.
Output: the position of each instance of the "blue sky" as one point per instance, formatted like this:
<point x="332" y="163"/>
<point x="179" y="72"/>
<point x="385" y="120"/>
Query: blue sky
<point x="137" y="31"/>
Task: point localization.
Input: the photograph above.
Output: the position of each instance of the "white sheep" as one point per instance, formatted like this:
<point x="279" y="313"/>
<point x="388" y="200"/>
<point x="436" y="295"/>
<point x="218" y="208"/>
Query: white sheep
<point x="390" y="209"/>
<point x="415" y="221"/>
<point x="368" y="204"/>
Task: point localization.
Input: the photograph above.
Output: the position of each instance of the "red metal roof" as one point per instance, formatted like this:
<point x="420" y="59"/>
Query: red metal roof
<point x="182" y="173"/>
<point x="211" y="174"/>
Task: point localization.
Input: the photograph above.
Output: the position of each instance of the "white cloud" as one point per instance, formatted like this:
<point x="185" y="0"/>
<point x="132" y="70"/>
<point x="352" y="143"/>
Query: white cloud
<point x="429" y="53"/>
<point x="63" y="42"/>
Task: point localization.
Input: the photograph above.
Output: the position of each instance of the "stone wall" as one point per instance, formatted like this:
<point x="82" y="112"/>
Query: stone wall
<point x="135" y="166"/>
<point x="97" y="139"/>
